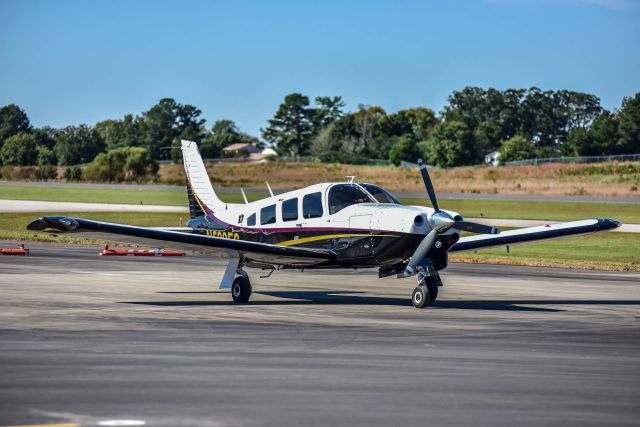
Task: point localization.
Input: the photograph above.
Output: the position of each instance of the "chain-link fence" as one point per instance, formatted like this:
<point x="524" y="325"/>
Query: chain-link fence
<point x="583" y="159"/>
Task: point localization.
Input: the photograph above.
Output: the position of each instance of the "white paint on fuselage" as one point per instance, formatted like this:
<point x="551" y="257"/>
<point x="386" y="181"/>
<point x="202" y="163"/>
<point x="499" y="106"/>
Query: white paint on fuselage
<point x="383" y="216"/>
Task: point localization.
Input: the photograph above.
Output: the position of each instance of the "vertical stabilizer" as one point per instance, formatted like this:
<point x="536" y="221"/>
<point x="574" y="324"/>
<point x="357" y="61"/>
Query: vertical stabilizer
<point x="202" y="198"/>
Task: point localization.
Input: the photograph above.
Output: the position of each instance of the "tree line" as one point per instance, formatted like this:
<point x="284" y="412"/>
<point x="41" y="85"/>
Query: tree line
<point x="520" y="123"/>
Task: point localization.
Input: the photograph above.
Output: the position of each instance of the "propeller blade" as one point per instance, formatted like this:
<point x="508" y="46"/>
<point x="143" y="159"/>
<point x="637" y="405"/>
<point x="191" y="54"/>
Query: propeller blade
<point x="474" y="227"/>
<point x="428" y="184"/>
<point x="420" y="252"/>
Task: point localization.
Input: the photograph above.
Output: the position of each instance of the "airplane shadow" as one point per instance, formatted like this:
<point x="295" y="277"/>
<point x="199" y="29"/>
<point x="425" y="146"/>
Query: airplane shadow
<point x="355" y="298"/>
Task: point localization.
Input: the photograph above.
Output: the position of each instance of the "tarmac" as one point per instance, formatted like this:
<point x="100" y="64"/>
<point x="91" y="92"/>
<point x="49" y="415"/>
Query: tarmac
<point x="92" y="341"/>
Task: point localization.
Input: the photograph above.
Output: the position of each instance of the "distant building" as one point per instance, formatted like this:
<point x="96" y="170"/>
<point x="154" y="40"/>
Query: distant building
<point x="264" y="156"/>
<point x="240" y="150"/>
<point x="493" y="158"/>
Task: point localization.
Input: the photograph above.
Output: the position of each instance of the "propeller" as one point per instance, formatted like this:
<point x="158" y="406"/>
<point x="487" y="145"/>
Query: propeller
<point x="440" y="222"/>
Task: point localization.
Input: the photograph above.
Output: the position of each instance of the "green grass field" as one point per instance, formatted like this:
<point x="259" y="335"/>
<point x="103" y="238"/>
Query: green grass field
<point x="552" y="211"/>
<point x="613" y="251"/>
<point x="13" y="226"/>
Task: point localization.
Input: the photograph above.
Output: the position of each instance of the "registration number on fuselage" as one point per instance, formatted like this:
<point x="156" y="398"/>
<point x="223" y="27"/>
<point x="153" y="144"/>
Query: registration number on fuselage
<point x="223" y="234"/>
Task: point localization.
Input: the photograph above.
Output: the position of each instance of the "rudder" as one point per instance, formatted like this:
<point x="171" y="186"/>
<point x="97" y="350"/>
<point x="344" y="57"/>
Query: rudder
<point x="202" y="198"/>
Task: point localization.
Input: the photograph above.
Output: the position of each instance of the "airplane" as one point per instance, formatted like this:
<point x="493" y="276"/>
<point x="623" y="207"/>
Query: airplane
<point x="334" y="225"/>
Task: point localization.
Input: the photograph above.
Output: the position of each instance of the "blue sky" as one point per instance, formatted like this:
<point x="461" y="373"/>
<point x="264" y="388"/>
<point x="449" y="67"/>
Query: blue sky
<point x="72" y="62"/>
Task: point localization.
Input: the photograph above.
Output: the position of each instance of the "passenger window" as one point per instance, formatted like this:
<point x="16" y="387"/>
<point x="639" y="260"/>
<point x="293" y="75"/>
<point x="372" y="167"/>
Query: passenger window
<point x="268" y="215"/>
<point x="251" y="220"/>
<point x="312" y="205"/>
<point x="290" y="210"/>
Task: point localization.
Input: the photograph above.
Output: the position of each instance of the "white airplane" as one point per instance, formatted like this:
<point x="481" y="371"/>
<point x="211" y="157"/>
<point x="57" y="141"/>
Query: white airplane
<point x="322" y="226"/>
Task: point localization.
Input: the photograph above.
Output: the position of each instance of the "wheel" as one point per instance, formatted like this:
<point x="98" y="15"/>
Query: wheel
<point x="241" y="289"/>
<point x="420" y="297"/>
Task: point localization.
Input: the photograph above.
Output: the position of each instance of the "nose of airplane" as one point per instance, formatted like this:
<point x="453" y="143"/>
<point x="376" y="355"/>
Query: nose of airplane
<point x="441" y="221"/>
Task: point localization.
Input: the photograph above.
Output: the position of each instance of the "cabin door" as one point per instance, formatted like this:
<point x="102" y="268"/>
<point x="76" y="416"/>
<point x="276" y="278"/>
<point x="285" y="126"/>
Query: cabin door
<point x="361" y="240"/>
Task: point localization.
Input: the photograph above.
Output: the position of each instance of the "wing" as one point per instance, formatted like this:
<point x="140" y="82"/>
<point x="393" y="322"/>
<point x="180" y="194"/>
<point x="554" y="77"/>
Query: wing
<point x="182" y="240"/>
<point x="532" y="234"/>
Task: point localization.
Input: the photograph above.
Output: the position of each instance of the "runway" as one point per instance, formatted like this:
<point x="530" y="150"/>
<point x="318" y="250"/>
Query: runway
<point x="85" y="339"/>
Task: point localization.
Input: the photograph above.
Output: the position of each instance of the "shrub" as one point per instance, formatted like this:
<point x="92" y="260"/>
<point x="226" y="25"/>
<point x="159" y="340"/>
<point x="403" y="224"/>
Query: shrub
<point x="517" y="148"/>
<point x="18" y="173"/>
<point x="73" y="173"/>
<point x="122" y="164"/>
<point x="45" y="156"/>
<point x="46" y="172"/>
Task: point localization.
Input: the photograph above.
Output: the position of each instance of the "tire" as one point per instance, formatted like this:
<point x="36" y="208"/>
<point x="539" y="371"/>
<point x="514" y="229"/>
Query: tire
<point x="241" y="290"/>
<point x="432" y="285"/>
<point x="420" y="297"/>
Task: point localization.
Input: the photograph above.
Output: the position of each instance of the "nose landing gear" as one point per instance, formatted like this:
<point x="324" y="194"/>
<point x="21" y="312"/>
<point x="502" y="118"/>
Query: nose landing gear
<point x="426" y="292"/>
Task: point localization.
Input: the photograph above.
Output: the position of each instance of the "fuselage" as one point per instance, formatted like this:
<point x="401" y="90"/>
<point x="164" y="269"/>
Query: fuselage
<point x="362" y="223"/>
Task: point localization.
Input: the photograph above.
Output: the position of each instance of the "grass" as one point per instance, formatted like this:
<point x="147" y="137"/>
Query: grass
<point x="471" y="208"/>
<point x="541" y="210"/>
<point x="611" y="251"/>
<point x="13" y="226"/>
<point x="604" y="179"/>
<point x="94" y="195"/>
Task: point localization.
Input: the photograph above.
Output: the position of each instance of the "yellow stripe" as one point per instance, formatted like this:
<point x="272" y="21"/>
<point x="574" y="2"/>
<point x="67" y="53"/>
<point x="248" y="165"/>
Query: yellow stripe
<point x="329" y="236"/>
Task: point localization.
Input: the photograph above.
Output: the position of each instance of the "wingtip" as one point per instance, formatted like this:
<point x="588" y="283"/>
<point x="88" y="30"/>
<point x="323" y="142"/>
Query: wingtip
<point x="53" y="224"/>
<point x="608" y="223"/>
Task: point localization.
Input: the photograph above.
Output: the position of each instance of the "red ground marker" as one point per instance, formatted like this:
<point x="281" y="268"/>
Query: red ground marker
<point x="14" y="251"/>
<point x="139" y="252"/>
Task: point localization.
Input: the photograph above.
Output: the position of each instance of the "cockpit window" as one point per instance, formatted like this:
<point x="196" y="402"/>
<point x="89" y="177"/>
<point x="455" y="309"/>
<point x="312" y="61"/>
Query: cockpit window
<point x="343" y="195"/>
<point x="381" y="195"/>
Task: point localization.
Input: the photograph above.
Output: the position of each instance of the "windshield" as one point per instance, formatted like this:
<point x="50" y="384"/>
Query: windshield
<point x="381" y="195"/>
<point x="343" y="195"/>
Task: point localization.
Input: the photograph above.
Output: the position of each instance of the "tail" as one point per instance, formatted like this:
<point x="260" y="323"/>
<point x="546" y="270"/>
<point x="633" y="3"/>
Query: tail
<point x="202" y="199"/>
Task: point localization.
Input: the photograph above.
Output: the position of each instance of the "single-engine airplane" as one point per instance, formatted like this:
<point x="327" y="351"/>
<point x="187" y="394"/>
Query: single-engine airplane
<point x="323" y="226"/>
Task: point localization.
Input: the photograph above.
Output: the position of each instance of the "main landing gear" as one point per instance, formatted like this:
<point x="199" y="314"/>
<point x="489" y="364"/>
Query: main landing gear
<point x="241" y="287"/>
<point x="427" y="290"/>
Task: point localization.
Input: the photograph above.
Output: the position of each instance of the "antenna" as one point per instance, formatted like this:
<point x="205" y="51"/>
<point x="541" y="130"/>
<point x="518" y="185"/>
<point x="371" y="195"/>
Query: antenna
<point x="269" y="187"/>
<point x="351" y="178"/>
<point x="243" y="196"/>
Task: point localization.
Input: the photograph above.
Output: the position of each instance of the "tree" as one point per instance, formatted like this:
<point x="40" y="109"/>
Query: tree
<point x="415" y="122"/>
<point x="601" y="138"/>
<point x="19" y="150"/>
<point x="45" y="136"/>
<point x="45" y="156"/>
<point x="366" y="121"/>
<point x="629" y="140"/>
<point x="224" y="133"/>
<point x="77" y="144"/>
<point x="329" y="109"/>
<point x="127" y="132"/>
<point x="450" y="144"/>
<point x="13" y="120"/>
<point x="291" y="128"/>
<point x="517" y="148"/>
<point x="405" y="149"/>
<point x="166" y="123"/>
